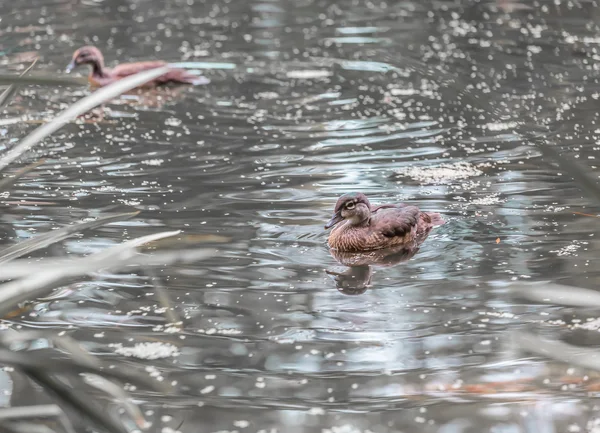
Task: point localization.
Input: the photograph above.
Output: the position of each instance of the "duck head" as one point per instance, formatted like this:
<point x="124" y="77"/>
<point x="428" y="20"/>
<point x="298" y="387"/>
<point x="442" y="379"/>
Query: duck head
<point x="87" y="55"/>
<point x="353" y="207"/>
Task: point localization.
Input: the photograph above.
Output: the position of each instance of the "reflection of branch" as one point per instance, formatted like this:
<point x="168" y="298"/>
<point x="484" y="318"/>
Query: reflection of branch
<point x="559" y="294"/>
<point x="163" y="297"/>
<point x="8" y="414"/>
<point x="79" y="361"/>
<point x="11" y="179"/>
<point x="46" y="239"/>
<point x="85" y="405"/>
<point x="119" y="395"/>
<point x="37" y="279"/>
<point x="559" y="350"/>
<point x="82" y="106"/>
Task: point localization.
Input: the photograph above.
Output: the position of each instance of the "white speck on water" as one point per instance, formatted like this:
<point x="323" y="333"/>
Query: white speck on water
<point x="267" y="95"/>
<point x="590" y="325"/>
<point x="440" y="174"/>
<point x="130" y="202"/>
<point x="404" y="92"/>
<point x="555" y="208"/>
<point x="153" y="162"/>
<point x="241" y="423"/>
<point x="346" y="428"/>
<point x="229" y="331"/>
<point x="156" y="350"/>
<point x="224" y="331"/>
<point x="593" y="426"/>
<point x="487" y="200"/>
<point x="316" y="411"/>
<point x="172" y="121"/>
<point x="309" y="74"/>
<point x="501" y="126"/>
<point x="569" y="249"/>
<point x="209" y="388"/>
<point x="497" y="314"/>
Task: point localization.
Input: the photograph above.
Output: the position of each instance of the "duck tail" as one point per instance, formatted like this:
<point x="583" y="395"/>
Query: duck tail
<point x="199" y="80"/>
<point x="436" y="219"/>
<point x="185" y="76"/>
<point x="190" y="78"/>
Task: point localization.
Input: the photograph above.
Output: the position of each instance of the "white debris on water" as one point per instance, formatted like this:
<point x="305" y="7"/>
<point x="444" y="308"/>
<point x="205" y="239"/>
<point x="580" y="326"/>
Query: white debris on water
<point x="504" y="315"/>
<point x="404" y="92"/>
<point x="569" y="249"/>
<point x="593" y="426"/>
<point x="222" y="331"/>
<point x="590" y="325"/>
<point x="441" y="174"/>
<point x="129" y="202"/>
<point x="501" y="126"/>
<point x="172" y="121"/>
<point x="207" y="389"/>
<point x="171" y="328"/>
<point x="346" y="428"/>
<point x="155" y="350"/>
<point x="153" y="162"/>
<point x="488" y="200"/>
<point x="267" y="95"/>
<point x="309" y="74"/>
<point x="555" y="208"/>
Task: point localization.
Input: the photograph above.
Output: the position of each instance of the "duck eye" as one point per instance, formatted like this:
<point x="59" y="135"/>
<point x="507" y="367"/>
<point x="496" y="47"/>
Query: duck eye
<point x="350" y="206"/>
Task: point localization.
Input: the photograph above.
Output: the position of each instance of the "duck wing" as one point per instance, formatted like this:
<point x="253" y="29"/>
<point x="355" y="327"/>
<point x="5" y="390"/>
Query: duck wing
<point x="387" y="206"/>
<point x="176" y="75"/>
<point x="126" y="69"/>
<point x="396" y="221"/>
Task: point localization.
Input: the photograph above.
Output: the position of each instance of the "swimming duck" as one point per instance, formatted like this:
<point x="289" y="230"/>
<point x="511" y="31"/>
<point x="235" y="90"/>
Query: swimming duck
<point x="101" y="75"/>
<point x="365" y="228"/>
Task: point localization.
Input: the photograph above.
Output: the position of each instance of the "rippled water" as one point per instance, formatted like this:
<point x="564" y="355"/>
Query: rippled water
<point x="456" y="106"/>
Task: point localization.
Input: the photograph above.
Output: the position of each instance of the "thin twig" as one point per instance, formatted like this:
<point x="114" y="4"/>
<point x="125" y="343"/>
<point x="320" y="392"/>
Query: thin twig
<point x="6" y="96"/>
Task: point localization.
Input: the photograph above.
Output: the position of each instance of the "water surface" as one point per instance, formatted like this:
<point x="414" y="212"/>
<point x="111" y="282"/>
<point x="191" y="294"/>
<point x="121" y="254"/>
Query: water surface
<point x="450" y="105"/>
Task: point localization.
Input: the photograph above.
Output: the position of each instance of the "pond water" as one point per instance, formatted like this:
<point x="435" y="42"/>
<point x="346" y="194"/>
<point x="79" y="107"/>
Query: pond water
<point x="484" y="111"/>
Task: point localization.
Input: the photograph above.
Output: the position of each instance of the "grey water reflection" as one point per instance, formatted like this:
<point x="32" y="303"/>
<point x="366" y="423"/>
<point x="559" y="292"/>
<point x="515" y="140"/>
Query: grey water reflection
<point x="449" y="105"/>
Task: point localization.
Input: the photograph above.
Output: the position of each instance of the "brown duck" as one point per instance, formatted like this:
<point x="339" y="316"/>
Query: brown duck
<point x="101" y="75"/>
<point x="361" y="227"/>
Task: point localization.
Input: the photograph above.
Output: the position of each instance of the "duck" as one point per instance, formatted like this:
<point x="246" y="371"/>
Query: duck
<point x="101" y="76"/>
<point x="359" y="227"/>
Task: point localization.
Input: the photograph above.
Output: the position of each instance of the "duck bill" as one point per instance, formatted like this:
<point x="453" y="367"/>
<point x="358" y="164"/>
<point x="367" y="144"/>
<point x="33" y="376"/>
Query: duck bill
<point x="334" y="220"/>
<point x="70" y="67"/>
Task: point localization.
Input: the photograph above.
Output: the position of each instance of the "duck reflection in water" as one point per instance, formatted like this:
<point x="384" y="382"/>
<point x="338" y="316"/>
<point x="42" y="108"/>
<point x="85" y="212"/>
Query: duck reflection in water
<point x="356" y="278"/>
<point x="383" y="235"/>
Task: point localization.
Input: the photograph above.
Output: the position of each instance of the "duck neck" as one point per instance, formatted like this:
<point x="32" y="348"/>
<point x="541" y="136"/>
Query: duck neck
<point x="98" y="69"/>
<point x="357" y="221"/>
